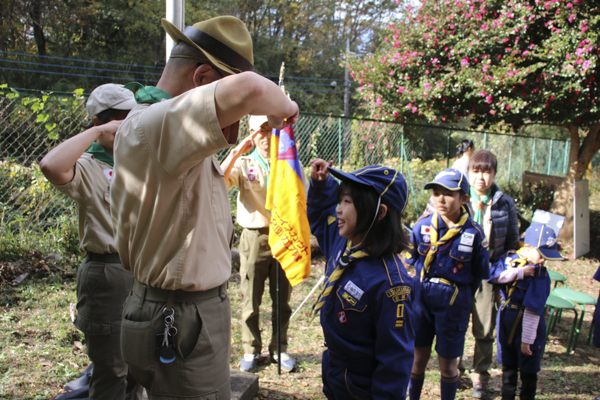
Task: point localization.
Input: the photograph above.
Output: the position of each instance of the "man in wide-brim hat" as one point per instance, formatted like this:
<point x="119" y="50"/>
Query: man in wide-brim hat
<point x="170" y="207"/>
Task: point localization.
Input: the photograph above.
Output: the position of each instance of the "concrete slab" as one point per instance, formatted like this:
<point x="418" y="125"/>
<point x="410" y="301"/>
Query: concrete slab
<point x="244" y="386"/>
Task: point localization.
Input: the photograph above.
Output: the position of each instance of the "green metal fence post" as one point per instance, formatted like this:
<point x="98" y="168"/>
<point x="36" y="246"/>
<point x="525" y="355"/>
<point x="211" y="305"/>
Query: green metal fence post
<point x="533" y="156"/>
<point x="566" y="157"/>
<point x="340" y="142"/>
<point x="550" y="157"/>
<point x="512" y="141"/>
<point x="448" y="152"/>
<point x="412" y="189"/>
<point x="484" y="139"/>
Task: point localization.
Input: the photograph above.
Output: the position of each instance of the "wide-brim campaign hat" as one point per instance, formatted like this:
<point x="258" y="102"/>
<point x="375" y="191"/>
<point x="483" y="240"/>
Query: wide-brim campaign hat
<point x="109" y="96"/>
<point x="388" y="182"/>
<point x="225" y="41"/>
<point x="451" y="179"/>
<point x="543" y="238"/>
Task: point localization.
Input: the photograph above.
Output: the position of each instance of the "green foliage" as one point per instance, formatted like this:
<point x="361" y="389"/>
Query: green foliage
<point x="511" y="62"/>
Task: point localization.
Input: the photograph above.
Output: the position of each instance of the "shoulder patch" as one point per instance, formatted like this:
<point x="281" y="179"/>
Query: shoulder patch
<point x="331" y="219"/>
<point x="398" y="293"/>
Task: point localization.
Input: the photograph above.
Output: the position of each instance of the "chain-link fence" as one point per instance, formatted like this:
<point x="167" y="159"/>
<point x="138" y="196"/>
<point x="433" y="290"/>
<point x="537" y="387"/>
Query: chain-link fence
<point x="31" y="210"/>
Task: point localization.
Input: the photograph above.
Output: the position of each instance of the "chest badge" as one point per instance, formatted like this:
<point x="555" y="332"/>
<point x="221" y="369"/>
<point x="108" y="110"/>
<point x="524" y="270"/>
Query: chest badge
<point x="467" y="239"/>
<point x="426" y="239"/>
<point x="109" y="174"/>
<point x="457" y="268"/>
<point x="342" y="317"/>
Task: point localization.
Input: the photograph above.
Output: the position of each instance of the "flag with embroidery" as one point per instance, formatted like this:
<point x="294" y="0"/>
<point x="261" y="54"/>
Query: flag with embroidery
<point x="289" y="231"/>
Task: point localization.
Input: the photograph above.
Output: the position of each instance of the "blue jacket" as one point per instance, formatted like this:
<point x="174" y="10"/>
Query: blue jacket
<point x="367" y="318"/>
<point x="463" y="261"/>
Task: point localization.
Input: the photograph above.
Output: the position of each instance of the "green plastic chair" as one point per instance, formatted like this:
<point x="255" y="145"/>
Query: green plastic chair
<point x="578" y="298"/>
<point x="557" y="277"/>
<point x="555" y="305"/>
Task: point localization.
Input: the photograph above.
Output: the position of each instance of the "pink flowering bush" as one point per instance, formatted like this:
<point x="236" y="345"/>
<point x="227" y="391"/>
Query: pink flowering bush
<point x="516" y="61"/>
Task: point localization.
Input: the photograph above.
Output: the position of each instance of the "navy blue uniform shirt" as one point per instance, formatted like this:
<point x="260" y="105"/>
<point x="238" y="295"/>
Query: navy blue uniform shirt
<point x="367" y="318"/>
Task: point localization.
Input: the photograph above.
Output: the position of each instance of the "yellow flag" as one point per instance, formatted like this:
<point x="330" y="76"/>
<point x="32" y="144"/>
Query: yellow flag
<point x="289" y="231"/>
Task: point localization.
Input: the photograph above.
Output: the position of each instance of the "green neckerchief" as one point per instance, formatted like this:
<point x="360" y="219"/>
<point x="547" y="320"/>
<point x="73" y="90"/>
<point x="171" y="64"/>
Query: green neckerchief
<point x="484" y="199"/>
<point x="255" y="155"/>
<point x="101" y="154"/>
<point x="147" y="94"/>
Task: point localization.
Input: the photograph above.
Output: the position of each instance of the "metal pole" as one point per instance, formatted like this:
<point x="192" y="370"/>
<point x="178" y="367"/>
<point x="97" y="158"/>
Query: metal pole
<point x="448" y="152"/>
<point x="176" y="15"/>
<point x="512" y="140"/>
<point x="484" y="139"/>
<point x="278" y="320"/>
<point x="550" y="157"/>
<point x="339" y="143"/>
<point x="566" y="157"/>
<point x="347" y="82"/>
<point x="533" y="156"/>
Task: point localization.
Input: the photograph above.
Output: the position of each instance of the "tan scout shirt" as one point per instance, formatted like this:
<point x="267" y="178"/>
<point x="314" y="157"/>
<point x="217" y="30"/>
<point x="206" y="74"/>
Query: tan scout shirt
<point x="170" y="207"/>
<point x="90" y="188"/>
<point x="251" y="179"/>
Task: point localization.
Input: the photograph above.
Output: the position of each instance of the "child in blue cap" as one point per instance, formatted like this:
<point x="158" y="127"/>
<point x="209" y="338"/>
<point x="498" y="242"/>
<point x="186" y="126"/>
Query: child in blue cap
<point x="366" y="302"/>
<point x="450" y="255"/>
<point x="525" y="287"/>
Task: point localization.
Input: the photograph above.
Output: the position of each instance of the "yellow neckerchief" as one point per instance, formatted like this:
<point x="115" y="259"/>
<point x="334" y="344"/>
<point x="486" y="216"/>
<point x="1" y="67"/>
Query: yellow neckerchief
<point x="342" y="263"/>
<point x="516" y="263"/>
<point x="435" y="243"/>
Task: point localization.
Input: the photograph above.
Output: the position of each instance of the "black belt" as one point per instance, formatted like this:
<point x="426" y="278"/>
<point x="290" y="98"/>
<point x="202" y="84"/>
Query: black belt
<point x="262" y="231"/>
<point x="108" y="258"/>
<point x="179" y="296"/>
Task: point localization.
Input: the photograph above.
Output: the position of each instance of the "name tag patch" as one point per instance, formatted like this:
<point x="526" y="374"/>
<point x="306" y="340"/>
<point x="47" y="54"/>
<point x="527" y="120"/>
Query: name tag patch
<point x="354" y="290"/>
<point x="465" y="249"/>
<point x="109" y="174"/>
<point x="467" y="239"/>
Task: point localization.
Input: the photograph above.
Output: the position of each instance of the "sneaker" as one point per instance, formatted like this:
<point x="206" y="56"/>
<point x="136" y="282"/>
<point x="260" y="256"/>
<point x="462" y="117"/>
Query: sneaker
<point x="479" y="390"/>
<point x="287" y="363"/>
<point x="249" y="362"/>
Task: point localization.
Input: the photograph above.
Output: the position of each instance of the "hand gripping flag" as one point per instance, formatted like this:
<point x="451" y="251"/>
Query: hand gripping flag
<point x="289" y="231"/>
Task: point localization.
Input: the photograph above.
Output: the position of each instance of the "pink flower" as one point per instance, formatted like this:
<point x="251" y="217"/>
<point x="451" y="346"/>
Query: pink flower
<point x="392" y="72"/>
<point x="401" y="89"/>
<point x="508" y="106"/>
<point x="484" y="27"/>
<point x="414" y="110"/>
<point x="409" y="105"/>
<point x="488" y="99"/>
<point x="440" y="84"/>
<point x="395" y="113"/>
<point x="464" y="62"/>
<point x="571" y="17"/>
<point x="427" y="86"/>
<point x="378" y="102"/>
<point x="370" y="146"/>
<point x="525" y="53"/>
<point x="492" y="112"/>
<point x="586" y="64"/>
<point x="569" y="5"/>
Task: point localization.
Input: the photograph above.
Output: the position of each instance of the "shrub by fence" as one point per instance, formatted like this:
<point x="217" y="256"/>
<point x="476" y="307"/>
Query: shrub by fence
<point x="34" y="215"/>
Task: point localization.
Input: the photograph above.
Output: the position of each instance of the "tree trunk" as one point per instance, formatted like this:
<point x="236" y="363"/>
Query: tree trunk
<point x="35" y="13"/>
<point x="579" y="159"/>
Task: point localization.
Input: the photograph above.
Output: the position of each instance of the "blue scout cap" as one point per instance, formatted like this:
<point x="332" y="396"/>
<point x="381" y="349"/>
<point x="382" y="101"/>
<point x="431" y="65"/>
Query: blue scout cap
<point x="388" y="182"/>
<point x="451" y="179"/>
<point x="543" y="238"/>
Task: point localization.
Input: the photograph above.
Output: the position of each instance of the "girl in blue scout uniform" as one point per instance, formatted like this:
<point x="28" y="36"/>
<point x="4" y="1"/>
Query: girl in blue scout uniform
<point x="521" y="329"/>
<point x="366" y="302"/>
<point x="451" y="258"/>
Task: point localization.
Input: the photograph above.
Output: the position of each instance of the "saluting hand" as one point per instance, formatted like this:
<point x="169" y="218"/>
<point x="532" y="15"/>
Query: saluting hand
<point x="319" y="169"/>
<point x="248" y="143"/>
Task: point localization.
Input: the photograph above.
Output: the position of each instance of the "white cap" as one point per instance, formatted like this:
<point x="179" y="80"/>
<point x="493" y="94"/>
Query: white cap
<point x="108" y="96"/>
<point x="256" y="122"/>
